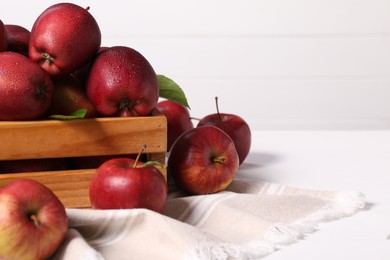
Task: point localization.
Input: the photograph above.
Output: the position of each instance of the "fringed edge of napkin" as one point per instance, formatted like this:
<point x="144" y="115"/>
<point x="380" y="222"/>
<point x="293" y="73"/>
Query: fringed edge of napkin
<point x="343" y="204"/>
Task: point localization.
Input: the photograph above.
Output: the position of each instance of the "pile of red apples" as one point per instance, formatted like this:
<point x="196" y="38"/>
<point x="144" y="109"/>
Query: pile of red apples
<point x="59" y="67"/>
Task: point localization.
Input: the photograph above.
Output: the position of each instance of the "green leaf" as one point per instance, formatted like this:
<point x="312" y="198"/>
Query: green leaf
<point x="171" y="90"/>
<point x="75" y="115"/>
<point x="152" y="163"/>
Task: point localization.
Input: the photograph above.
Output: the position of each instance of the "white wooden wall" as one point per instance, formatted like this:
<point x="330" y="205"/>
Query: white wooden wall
<point x="280" y="64"/>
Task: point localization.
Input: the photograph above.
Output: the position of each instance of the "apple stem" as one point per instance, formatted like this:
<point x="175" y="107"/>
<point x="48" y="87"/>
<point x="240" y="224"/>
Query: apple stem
<point x="195" y="118"/>
<point x="139" y="155"/>
<point x="35" y="219"/>
<point x="216" y="104"/>
<point x="219" y="159"/>
<point x="47" y="57"/>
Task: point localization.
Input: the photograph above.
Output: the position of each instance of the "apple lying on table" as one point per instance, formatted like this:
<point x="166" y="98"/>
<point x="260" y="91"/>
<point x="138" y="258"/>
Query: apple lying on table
<point x="178" y="119"/>
<point x="203" y="160"/>
<point x="33" y="221"/>
<point x="124" y="183"/>
<point x="235" y="126"/>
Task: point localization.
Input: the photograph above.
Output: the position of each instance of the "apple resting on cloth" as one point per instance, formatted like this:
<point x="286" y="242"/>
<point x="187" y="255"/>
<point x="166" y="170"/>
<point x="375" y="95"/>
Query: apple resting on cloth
<point x="235" y="126"/>
<point x="33" y="221"/>
<point x="124" y="183"/>
<point x="178" y="119"/>
<point x="122" y="82"/>
<point x="26" y="89"/>
<point x="203" y="160"/>
<point x="64" y="38"/>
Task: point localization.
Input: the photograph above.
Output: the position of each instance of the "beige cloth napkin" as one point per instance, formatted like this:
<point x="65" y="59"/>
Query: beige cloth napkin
<point x="249" y="220"/>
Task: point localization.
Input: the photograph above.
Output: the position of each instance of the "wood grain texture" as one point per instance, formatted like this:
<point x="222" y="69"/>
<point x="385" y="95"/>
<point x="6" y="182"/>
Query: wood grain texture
<point x="84" y="137"/>
<point x="71" y="187"/>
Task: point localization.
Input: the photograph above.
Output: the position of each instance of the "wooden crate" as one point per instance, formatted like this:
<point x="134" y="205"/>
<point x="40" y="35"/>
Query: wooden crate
<point x="79" y="138"/>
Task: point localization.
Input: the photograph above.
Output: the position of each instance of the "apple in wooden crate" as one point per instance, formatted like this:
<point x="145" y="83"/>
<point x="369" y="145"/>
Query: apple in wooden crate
<point x="121" y="82"/>
<point x="3" y="37"/>
<point x="18" y="38"/>
<point x="26" y="89"/>
<point x="69" y="96"/>
<point x="64" y="38"/>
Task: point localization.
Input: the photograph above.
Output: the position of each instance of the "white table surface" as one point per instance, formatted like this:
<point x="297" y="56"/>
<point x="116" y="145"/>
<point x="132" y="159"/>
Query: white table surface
<point x="330" y="160"/>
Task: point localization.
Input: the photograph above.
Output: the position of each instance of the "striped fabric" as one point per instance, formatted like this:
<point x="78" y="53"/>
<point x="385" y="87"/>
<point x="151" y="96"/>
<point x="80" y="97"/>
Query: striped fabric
<point x="249" y="220"/>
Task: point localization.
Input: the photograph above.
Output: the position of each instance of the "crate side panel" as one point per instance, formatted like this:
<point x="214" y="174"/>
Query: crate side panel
<point x="86" y="137"/>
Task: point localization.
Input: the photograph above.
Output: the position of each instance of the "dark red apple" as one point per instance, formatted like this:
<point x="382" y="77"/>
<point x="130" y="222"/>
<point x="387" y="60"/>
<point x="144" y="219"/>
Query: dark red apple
<point x="235" y="126"/>
<point x="178" y="119"/>
<point x="3" y="37"/>
<point x="203" y="160"/>
<point x="69" y="96"/>
<point x="26" y="89"/>
<point x="82" y="73"/>
<point x="33" y="165"/>
<point x="122" y="82"/>
<point x="120" y="184"/>
<point x="64" y="38"/>
<point x="18" y="38"/>
<point x="33" y="221"/>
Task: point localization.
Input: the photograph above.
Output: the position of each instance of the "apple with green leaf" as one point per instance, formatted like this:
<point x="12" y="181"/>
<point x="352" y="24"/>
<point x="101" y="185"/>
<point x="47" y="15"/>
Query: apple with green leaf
<point x="69" y="96"/>
<point x="33" y="221"/>
<point x="124" y="183"/>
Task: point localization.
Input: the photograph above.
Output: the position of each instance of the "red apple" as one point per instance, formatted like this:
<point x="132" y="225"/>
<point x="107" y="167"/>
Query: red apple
<point x="121" y="183"/>
<point x="18" y="38"/>
<point x="203" y="160"/>
<point x="235" y="126"/>
<point x="178" y="119"/>
<point x="64" y="38"/>
<point x="26" y="89"/>
<point x="33" y="221"/>
<point x="3" y="37"/>
<point x="82" y="73"/>
<point x="122" y="82"/>
<point x="69" y="95"/>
